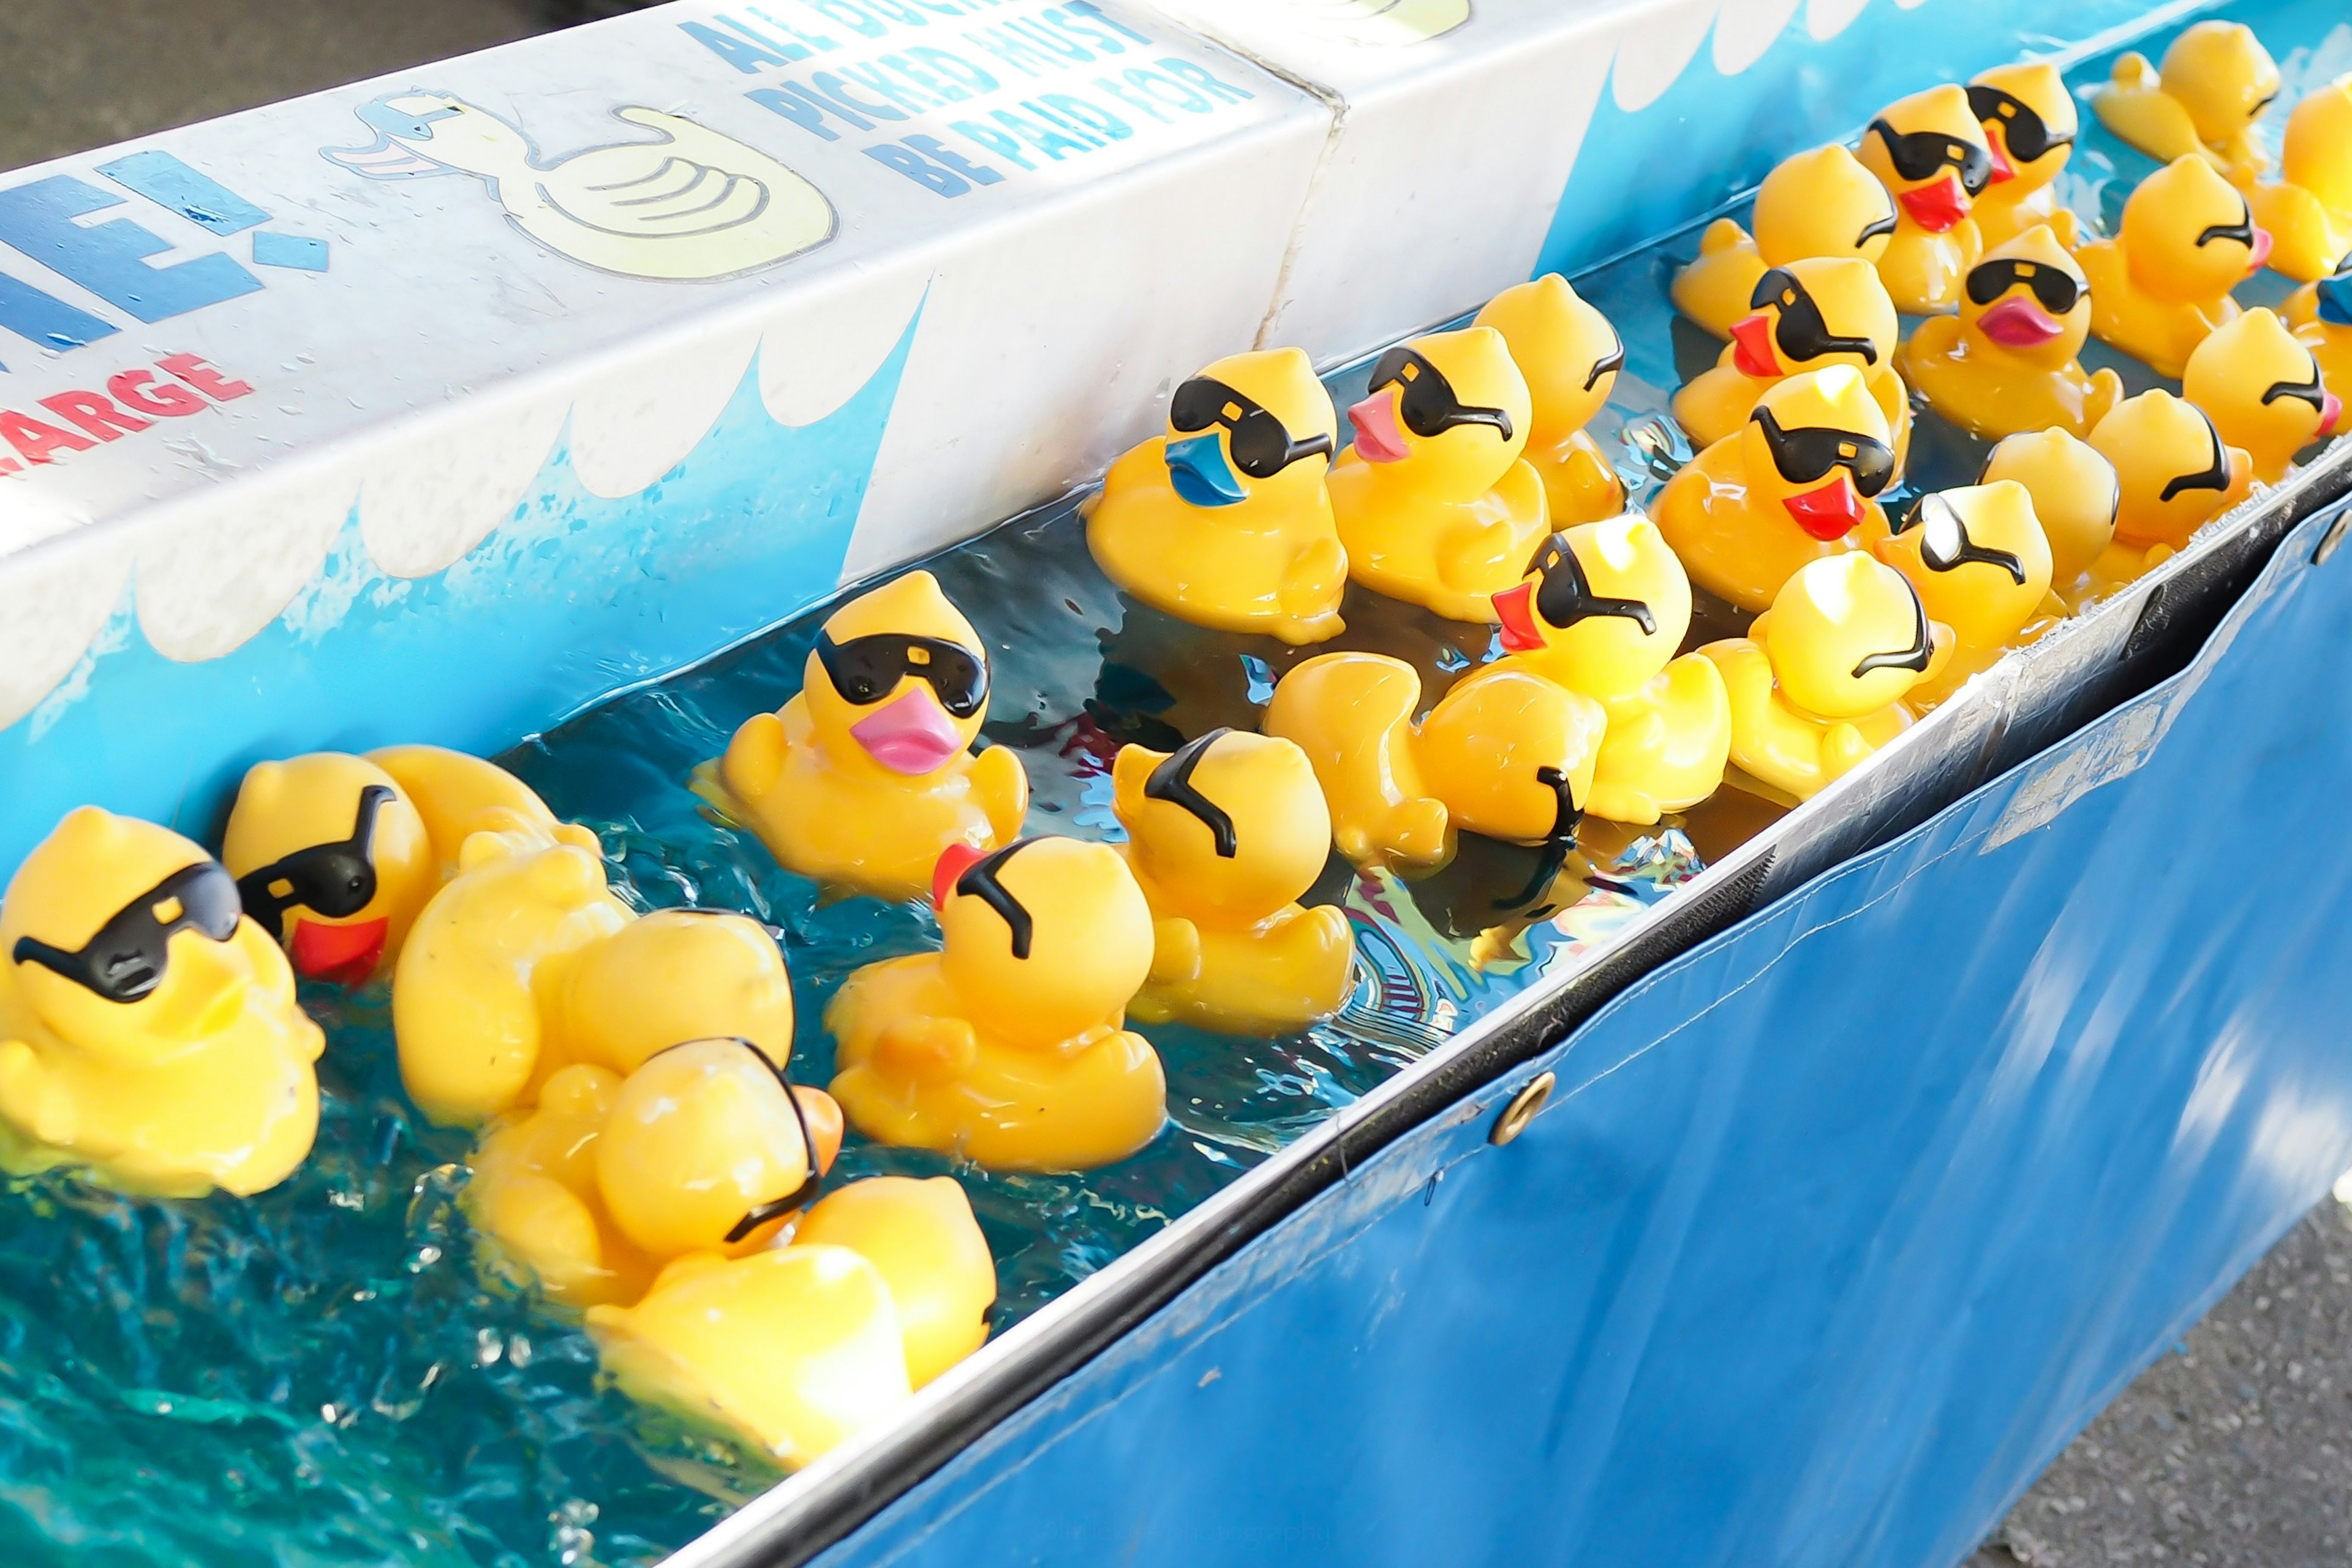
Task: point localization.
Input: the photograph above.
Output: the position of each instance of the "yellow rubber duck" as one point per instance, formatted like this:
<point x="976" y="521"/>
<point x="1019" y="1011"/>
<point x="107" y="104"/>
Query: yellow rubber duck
<point x="1224" y="520"/>
<point x="1930" y="154"/>
<point x="1435" y="505"/>
<point x="1008" y="1044"/>
<point x="2074" y="494"/>
<point x="2321" y="315"/>
<point x="1793" y="484"/>
<point x="2263" y="390"/>
<point x="2030" y="125"/>
<point x="1812" y="204"/>
<point x="2173" y="471"/>
<point x="1809" y="315"/>
<point x="864" y="777"/>
<point x="1980" y="563"/>
<point x="1570" y="356"/>
<point x="2308" y="212"/>
<point x="1225" y="833"/>
<point x="148" y="1031"/>
<point x="2163" y="282"/>
<point x="2005" y="362"/>
<point x="1817" y="686"/>
<point x="1602" y="613"/>
<point x="2216" y="80"/>
<point x="335" y="854"/>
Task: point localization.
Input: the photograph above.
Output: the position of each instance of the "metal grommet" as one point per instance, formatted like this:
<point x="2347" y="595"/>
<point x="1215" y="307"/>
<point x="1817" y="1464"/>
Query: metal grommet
<point x="1522" y="1109"/>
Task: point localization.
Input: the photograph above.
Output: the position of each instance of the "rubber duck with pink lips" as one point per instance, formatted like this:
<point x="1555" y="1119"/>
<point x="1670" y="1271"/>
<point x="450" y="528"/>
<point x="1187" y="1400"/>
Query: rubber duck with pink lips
<point x="2005" y="362"/>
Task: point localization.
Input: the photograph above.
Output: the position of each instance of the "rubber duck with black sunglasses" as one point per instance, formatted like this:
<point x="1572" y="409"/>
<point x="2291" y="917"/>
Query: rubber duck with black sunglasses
<point x="861" y="780"/>
<point x="1817" y="203"/>
<point x="2030" y="125"/>
<point x="1571" y="355"/>
<point x="1929" y="152"/>
<point x="2007" y="362"/>
<point x="149" y="1034"/>
<point x="2215" y="82"/>
<point x="2163" y="282"/>
<point x="1980" y="563"/>
<point x="2173" y="473"/>
<point x="1224" y="520"/>
<point x="2308" y="209"/>
<point x="2263" y="390"/>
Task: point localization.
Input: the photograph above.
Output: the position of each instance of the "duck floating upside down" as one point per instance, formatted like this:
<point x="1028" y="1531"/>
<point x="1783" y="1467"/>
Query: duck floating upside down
<point x="1793" y="484"/>
<point x="1008" y="1045"/>
<point x="2030" y="125"/>
<point x="2308" y="212"/>
<point x="1570" y="356"/>
<point x="1929" y="152"/>
<point x="1434" y="503"/>
<point x="1224" y="520"/>
<point x="2163" y="282"/>
<point x="864" y="777"/>
<point x="148" y="1031"/>
<point x="2263" y="390"/>
<point x="2005" y="362"/>
<point x="1224" y="834"/>
<point x="2173" y="471"/>
<point x="2074" y="494"/>
<point x="1980" y="563"/>
<point x="2321" y="315"/>
<point x="1821" y="203"/>
<point x="2215" y="82"/>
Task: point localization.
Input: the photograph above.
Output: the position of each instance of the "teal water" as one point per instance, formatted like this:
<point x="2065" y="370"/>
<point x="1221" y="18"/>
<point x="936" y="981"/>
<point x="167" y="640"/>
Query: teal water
<point x="322" y="1374"/>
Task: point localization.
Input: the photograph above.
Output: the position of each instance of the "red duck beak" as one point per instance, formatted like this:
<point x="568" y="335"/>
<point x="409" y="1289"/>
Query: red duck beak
<point x="2017" y="322"/>
<point x="953" y="862"/>
<point x="2002" y="169"/>
<point x="340" y="955"/>
<point x="1378" y="438"/>
<point x="2331" y="409"/>
<point x="2263" y="243"/>
<point x="1936" y="207"/>
<point x="1751" y="347"/>
<point x="1514" y="608"/>
<point x="1828" y="513"/>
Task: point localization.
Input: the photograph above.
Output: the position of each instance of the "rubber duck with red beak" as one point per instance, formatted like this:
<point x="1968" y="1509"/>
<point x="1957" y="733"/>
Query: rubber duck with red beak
<point x="1929" y="152"/>
<point x="2005" y="362"/>
<point x="2030" y="125"/>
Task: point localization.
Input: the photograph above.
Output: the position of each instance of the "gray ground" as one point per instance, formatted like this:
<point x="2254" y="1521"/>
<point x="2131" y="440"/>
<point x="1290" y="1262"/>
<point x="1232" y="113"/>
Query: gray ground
<point x="2237" y="1454"/>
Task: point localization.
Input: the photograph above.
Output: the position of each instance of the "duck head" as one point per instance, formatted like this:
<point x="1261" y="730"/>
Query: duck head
<point x="897" y="681"/>
<point x="677" y="975"/>
<point x="1230" y="825"/>
<point x="1567" y="350"/>
<point x="1817" y="448"/>
<point x="2221" y="73"/>
<point x="2317" y="153"/>
<point x="1610" y="598"/>
<point x="1813" y="314"/>
<point x="126" y="940"/>
<point x="1451" y="410"/>
<point x="1978" y="558"/>
<point x="2027" y="299"/>
<point x="433" y="134"/>
<point x="331" y="860"/>
<point x="1822" y="203"/>
<point x="2261" y="388"/>
<point x="2188" y="233"/>
<point x="1044" y="939"/>
<point x="1250" y="425"/>
<point x="709" y="1147"/>
<point x="1847" y="636"/>
<point x="2030" y="123"/>
<point x="2172" y="469"/>
<point x="2072" y="489"/>
<point x="1930" y="154"/>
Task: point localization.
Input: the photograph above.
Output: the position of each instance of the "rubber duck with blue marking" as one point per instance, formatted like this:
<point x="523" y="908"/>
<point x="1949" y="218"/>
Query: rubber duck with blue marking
<point x="2163" y="282"/>
<point x="2263" y="390"/>
<point x="336" y="855"/>
<point x="1602" y="612"/>
<point x="2074" y="494"/>
<point x="1821" y="203"/>
<point x="1795" y="483"/>
<point x="2215" y="82"/>
<point x="2007" y="362"/>
<point x="2174" y="472"/>
<point x="1009" y="1044"/>
<point x="2321" y="315"/>
<point x="1436" y="507"/>
<point x="1224" y="520"/>
<point x="866" y="777"/>
<point x="1225" y="833"/>
<point x="1929" y="152"/>
<point x="1980" y="563"/>
<point x="2030" y="125"/>
<point x="2308" y="211"/>
<point x="1817" y="685"/>
<point x="1570" y="356"/>
<point x="1808" y="315"/>
<point x="148" y="1031"/>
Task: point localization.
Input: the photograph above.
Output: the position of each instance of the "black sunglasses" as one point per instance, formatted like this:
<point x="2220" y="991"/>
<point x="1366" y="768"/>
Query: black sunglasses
<point x="1567" y="815"/>
<point x="2311" y="392"/>
<point x="1805" y="456"/>
<point x="2214" y="477"/>
<point x="1915" y="657"/>
<point x="2242" y="231"/>
<point x="1918" y="154"/>
<point x="979" y="880"/>
<point x="774" y="1208"/>
<point x="1260" y="443"/>
<point x="1428" y="405"/>
<point x="1564" y="594"/>
<point x="334" y="879"/>
<point x="2027" y="133"/>
<point x="2058" y="290"/>
<point x="1878" y="225"/>
<point x="1614" y="359"/>
<point x="1945" y="545"/>
<point x="867" y="669"/>
<point x="1171" y="781"/>
<point x="124" y="960"/>
<point x="1801" y="331"/>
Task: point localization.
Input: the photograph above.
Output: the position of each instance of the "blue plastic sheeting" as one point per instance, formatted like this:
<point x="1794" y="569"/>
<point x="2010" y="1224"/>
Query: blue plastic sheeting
<point x="1838" y="1227"/>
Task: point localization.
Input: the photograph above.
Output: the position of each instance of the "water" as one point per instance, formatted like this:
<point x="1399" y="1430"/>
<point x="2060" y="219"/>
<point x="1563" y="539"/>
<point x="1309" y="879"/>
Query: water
<point x="323" y="1374"/>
